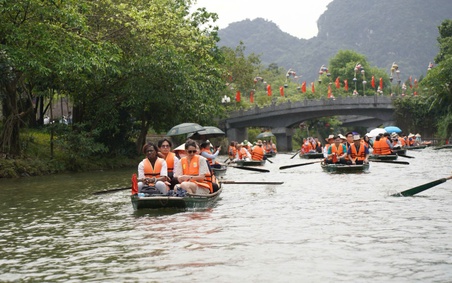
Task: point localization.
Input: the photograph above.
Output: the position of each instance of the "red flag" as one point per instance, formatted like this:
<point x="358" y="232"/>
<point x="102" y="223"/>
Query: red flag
<point x="346" y="85"/>
<point x="312" y="87"/>
<point x="269" y="90"/>
<point x="237" y="96"/>
<point x="372" y="82"/>
<point x="338" y="83"/>
<point x="381" y="84"/>
<point x="281" y="90"/>
<point x="411" y="79"/>
<point x="330" y="93"/>
<point x="303" y="87"/>
<point x="252" y="96"/>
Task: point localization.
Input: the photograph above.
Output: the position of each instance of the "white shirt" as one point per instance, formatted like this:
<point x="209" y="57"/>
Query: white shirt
<point x="203" y="168"/>
<point x="163" y="171"/>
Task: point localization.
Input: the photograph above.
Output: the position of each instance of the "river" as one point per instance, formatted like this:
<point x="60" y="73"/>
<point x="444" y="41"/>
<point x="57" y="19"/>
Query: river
<point x="317" y="227"/>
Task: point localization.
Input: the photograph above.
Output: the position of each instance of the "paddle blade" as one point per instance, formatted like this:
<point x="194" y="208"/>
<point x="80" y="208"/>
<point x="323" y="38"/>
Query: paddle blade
<point x="392" y="161"/>
<point x="295" y="154"/>
<point x="252" y="169"/>
<point x="251" y="183"/>
<point x="406" y="156"/>
<point x="418" y="189"/>
<point x="300" y="164"/>
<point x="111" y="191"/>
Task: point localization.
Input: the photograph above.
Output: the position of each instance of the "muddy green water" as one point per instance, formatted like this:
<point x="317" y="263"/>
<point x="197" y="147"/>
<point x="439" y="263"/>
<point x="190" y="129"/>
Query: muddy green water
<point x="317" y="227"/>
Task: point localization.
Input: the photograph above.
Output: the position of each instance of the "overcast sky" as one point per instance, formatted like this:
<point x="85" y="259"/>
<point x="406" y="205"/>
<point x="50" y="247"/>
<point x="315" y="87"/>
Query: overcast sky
<point x="296" y="17"/>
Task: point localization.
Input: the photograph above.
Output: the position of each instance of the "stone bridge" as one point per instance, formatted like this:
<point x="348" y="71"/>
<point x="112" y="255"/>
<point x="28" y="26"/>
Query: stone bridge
<point x="368" y="111"/>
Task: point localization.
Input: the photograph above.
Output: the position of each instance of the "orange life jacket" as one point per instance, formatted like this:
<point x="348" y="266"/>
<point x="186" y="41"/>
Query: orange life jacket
<point x="402" y="141"/>
<point x="361" y="154"/>
<point x="268" y="147"/>
<point x="339" y="151"/>
<point x="232" y="152"/>
<point x="257" y="153"/>
<point x="385" y="148"/>
<point x="193" y="169"/>
<point x="170" y="161"/>
<point x="377" y="147"/>
<point x="242" y="153"/>
<point x="150" y="171"/>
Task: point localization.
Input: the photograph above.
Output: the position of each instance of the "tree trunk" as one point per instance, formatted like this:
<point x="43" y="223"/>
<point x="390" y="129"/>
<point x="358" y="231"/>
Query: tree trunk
<point x="143" y="133"/>
<point x="10" y="143"/>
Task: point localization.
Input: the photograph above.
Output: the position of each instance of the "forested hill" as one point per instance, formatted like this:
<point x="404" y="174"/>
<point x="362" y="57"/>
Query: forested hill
<point x="385" y="31"/>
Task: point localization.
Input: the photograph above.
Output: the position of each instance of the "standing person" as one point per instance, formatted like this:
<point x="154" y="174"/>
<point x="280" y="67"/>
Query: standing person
<point x="205" y="152"/>
<point x="171" y="159"/>
<point x="358" y="151"/>
<point x="152" y="172"/>
<point x="193" y="172"/>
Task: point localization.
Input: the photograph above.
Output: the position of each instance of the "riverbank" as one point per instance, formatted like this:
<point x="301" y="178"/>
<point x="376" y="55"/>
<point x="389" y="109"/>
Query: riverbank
<point x="37" y="159"/>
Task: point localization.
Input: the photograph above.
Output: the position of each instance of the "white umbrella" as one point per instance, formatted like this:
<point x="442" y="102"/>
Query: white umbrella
<point x="375" y="132"/>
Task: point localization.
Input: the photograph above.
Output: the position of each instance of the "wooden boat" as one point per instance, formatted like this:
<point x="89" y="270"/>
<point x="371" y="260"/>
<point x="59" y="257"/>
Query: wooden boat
<point x="311" y="155"/>
<point x="270" y="154"/>
<point x="188" y="201"/>
<point x="400" y="151"/>
<point x="416" y="147"/>
<point x="220" y="172"/>
<point x="443" y="146"/>
<point x="342" y="168"/>
<point x="383" y="157"/>
<point x="250" y="162"/>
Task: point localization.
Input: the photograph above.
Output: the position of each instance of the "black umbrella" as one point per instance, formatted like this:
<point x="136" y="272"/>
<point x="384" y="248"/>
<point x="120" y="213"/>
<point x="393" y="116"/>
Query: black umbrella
<point x="208" y="132"/>
<point x="184" y="128"/>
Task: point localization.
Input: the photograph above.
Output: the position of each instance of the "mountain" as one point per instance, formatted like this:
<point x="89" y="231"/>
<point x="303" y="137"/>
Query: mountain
<point x="403" y="31"/>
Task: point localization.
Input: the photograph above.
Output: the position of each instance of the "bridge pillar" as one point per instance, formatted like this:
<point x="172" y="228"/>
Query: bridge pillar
<point x="237" y="134"/>
<point x="283" y="138"/>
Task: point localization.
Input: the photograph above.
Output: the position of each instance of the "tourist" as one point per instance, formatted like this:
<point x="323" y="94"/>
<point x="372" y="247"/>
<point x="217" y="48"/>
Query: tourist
<point x="152" y="172"/>
<point x="192" y="171"/>
<point x="171" y="159"/>
<point x="337" y="152"/>
<point x="358" y="152"/>
<point x="206" y="153"/>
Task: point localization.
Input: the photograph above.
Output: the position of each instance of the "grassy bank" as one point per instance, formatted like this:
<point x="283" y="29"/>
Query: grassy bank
<point x="36" y="159"/>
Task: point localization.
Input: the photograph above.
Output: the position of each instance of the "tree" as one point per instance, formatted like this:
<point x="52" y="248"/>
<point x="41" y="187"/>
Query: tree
<point x="438" y="82"/>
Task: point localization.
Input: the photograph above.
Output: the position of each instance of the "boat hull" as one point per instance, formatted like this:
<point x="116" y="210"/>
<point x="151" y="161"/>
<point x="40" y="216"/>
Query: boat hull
<point x="312" y="155"/>
<point x="162" y="202"/>
<point x="341" y="168"/>
<point x="220" y="172"/>
<point x="383" y="157"/>
<point x="250" y="162"/>
<point x="270" y="154"/>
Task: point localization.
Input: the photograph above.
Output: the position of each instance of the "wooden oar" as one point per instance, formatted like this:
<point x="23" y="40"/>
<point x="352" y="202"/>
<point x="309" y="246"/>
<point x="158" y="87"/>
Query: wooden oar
<point x="418" y="189"/>
<point x="251" y="183"/>
<point x="251" y="169"/>
<point x="295" y="154"/>
<point x="226" y="160"/>
<point x="406" y="156"/>
<point x="300" y="164"/>
<point x="392" y="161"/>
<point x="111" y="191"/>
<point x="268" y="159"/>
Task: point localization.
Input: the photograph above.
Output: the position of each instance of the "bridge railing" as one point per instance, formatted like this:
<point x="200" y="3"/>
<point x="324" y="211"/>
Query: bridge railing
<point x="356" y="100"/>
